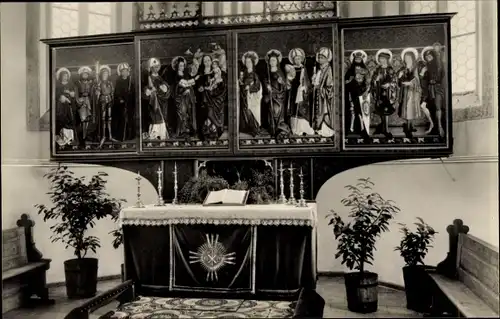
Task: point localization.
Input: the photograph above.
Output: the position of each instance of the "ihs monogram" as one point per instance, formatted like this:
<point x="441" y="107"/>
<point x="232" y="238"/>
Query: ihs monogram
<point x="212" y="256"/>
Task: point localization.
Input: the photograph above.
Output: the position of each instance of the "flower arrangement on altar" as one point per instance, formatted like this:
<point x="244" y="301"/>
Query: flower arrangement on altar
<point x="259" y="185"/>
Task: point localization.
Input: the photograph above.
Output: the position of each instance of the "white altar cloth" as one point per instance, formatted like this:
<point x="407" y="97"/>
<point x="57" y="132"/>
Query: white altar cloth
<point x="272" y="214"/>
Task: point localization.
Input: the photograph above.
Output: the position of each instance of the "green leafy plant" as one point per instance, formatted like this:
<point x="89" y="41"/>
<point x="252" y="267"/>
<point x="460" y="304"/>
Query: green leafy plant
<point x="259" y="186"/>
<point x="77" y="204"/>
<point x="370" y="215"/>
<point x="196" y="189"/>
<point x="415" y="246"/>
<point x="117" y="237"/>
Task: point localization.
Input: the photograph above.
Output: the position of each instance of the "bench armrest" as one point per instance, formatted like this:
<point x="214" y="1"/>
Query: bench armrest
<point x="122" y="293"/>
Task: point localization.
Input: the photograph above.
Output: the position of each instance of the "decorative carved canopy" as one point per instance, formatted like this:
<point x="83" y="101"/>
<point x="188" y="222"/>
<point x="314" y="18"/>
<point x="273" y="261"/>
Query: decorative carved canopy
<point x="179" y="14"/>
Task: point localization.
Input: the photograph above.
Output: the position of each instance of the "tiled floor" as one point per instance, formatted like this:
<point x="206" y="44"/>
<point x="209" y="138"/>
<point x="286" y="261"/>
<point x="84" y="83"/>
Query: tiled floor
<point x="391" y="303"/>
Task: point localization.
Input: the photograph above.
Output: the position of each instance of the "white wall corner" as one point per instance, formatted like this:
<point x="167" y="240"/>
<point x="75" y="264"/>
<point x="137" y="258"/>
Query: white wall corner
<point x="127" y="19"/>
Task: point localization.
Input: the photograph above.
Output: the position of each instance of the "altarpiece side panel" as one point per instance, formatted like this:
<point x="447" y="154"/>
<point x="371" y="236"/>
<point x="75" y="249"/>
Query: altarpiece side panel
<point x="396" y="92"/>
<point x="93" y="100"/>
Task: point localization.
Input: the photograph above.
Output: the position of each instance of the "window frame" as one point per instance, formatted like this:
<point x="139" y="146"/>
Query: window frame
<point x="469" y="98"/>
<point x="477" y="104"/>
<point x="39" y="26"/>
<point x="83" y="12"/>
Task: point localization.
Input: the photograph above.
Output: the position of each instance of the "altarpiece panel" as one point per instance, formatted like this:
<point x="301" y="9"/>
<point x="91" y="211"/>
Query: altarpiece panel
<point x="286" y="89"/>
<point x="396" y="88"/>
<point x="93" y="100"/>
<point x="184" y="93"/>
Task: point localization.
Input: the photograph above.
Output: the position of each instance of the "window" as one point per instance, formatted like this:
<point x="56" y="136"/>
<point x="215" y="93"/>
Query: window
<point x="77" y="18"/>
<point x="464" y="40"/>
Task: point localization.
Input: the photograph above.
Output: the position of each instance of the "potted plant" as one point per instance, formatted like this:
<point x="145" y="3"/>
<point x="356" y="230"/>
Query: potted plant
<point x="413" y="248"/>
<point x="117" y="242"/>
<point x="77" y="205"/>
<point x="370" y="215"/>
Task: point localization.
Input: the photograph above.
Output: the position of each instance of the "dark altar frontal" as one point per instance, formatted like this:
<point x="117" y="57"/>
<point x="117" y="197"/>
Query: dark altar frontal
<point x="258" y="251"/>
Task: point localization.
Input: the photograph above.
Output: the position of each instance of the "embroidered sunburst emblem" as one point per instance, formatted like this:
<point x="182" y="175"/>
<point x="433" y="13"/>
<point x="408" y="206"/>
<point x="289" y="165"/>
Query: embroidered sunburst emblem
<point x="212" y="256"/>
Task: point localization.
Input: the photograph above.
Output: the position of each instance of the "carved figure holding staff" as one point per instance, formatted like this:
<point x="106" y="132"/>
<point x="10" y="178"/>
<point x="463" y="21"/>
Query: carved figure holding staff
<point x="156" y="92"/>
<point x="433" y="77"/>
<point x="323" y="94"/>
<point x="299" y="106"/>
<point x="276" y="87"/>
<point x="359" y="99"/>
<point x="84" y="99"/>
<point x="104" y="95"/>
<point x="123" y="107"/>
<point x="383" y="87"/>
<point x="357" y="93"/>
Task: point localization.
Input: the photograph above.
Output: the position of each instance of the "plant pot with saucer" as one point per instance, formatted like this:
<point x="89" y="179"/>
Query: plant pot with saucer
<point x="370" y="215"/>
<point x="78" y="204"/>
<point x="413" y="248"/>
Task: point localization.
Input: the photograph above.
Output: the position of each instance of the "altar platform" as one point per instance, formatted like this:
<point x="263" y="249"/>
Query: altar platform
<point x="267" y="251"/>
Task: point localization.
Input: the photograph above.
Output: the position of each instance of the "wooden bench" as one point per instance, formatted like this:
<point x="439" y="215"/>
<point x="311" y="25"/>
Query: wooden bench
<point x="23" y="268"/>
<point x="466" y="283"/>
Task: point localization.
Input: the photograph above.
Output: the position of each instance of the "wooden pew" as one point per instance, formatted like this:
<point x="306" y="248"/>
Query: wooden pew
<point x="466" y="283"/>
<point x="23" y="268"/>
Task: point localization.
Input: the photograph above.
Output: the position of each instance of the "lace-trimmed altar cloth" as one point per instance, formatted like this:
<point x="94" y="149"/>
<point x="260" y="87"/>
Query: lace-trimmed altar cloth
<point x="273" y="214"/>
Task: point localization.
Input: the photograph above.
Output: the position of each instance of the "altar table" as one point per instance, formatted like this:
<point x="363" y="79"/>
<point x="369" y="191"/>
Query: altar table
<point x="229" y="250"/>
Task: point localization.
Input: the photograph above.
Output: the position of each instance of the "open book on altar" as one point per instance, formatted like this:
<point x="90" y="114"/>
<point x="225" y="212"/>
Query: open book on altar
<point x="226" y="197"/>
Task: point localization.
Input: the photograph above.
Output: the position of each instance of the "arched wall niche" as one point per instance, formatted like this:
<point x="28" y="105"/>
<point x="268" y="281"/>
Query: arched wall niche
<point x="316" y="170"/>
<point x="439" y="192"/>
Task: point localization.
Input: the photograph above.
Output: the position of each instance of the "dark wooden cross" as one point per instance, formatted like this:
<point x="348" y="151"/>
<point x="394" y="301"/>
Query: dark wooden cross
<point x="32" y="252"/>
<point x="448" y="267"/>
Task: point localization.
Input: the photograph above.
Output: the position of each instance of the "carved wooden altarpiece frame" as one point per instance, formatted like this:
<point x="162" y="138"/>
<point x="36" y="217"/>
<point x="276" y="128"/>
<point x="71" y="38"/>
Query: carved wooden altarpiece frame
<point x="273" y="20"/>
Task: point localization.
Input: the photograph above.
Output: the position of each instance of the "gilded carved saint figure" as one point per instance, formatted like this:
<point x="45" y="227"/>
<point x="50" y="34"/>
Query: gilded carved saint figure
<point x="185" y="99"/>
<point x="85" y="99"/>
<point x="104" y="92"/>
<point x="124" y="104"/>
<point x="275" y="95"/>
<point x="410" y="91"/>
<point x="299" y="103"/>
<point x="322" y="80"/>
<point x="66" y="112"/>
<point x="383" y="88"/>
<point x="157" y="93"/>
<point x="250" y="94"/>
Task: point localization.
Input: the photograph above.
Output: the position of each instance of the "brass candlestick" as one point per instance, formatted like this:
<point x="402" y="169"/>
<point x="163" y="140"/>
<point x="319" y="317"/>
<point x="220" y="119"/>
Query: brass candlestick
<point x="282" y="198"/>
<point x="291" y="200"/>
<point x="159" y="172"/>
<point x="302" y="201"/>
<point x="174" y="201"/>
<point x="139" y="203"/>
